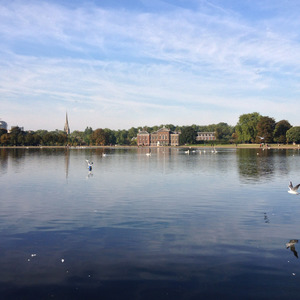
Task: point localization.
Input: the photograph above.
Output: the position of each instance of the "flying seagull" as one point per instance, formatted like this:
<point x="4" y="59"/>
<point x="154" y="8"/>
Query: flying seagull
<point x="293" y="189"/>
<point x="291" y="245"/>
<point x="89" y="164"/>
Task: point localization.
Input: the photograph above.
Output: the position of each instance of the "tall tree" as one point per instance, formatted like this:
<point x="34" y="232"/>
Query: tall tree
<point x="293" y="135"/>
<point x="99" y="137"/>
<point x="265" y="129"/>
<point x="188" y="135"/>
<point x="111" y="137"/>
<point x="223" y="131"/>
<point x="281" y="128"/>
<point x="246" y="127"/>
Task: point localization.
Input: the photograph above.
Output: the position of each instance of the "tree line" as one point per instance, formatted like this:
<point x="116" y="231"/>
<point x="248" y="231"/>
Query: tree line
<point x="251" y="128"/>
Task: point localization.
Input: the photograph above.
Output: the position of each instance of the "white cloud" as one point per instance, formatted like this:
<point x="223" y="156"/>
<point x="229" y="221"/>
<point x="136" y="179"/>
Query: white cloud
<point x="123" y="66"/>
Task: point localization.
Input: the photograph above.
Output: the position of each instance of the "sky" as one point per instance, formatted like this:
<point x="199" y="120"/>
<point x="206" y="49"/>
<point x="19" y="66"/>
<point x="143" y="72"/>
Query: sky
<point x="122" y="64"/>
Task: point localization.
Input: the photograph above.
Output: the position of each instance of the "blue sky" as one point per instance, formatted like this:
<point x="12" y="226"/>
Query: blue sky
<point x="117" y="64"/>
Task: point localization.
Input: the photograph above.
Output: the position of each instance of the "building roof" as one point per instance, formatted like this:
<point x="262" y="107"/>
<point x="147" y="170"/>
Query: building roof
<point x="143" y="132"/>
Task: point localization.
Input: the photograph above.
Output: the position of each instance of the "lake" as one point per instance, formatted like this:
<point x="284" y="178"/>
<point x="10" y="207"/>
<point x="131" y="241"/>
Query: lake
<point x="169" y="225"/>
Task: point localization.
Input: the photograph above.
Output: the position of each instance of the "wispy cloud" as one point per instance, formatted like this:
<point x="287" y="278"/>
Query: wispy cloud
<point x="124" y="66"/>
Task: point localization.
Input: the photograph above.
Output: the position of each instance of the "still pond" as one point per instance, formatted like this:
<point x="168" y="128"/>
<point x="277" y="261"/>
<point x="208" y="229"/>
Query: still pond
<point x="162" y="225"/>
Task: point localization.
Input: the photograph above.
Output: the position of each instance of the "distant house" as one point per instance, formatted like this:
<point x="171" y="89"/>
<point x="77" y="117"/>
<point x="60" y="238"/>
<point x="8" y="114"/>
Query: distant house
<point x="162" y="137"/>
<point x="143" y="138"/>
<point x="205" y="136"/>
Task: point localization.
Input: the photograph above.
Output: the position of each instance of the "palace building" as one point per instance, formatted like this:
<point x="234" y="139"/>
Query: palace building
<point x="162" y="137"/>
<point x="143" y="138"/>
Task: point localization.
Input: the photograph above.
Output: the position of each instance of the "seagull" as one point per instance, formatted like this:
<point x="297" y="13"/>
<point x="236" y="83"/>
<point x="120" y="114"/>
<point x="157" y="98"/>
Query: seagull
<point x="291" y="245"/>
<point x="89" y="164"/>
<point x="293" y="189"/>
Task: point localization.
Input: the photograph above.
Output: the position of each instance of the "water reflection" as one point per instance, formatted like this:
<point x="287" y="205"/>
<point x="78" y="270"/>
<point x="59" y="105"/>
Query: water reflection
<point x="266" y="219"/>
<point x="3" y="161"/>
<point x="165" y="226"/>
<point x="258" y="165"/>
<point x="67" y="161"/>
<point x="291" y="244"/>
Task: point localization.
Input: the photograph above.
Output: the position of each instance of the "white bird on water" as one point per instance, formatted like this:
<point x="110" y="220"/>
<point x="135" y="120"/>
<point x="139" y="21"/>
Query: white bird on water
<point x="293" y="189"/>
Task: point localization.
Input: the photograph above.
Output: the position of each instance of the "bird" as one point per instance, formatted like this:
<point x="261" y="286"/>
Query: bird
<point x="293" y="189"/>
<point x="89" y="164"/>
<point x="291" y="245"/>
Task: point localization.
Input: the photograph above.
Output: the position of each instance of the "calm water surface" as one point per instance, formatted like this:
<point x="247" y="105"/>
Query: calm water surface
<point x="165" y="226"/>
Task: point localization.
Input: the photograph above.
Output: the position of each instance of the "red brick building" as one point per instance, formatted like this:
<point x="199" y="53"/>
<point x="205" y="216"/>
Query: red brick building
<point x="143" y="138"/>
<point x="162" y="137"/>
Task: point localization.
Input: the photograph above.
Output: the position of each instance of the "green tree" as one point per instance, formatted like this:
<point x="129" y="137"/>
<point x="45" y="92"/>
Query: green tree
<point x="265" y="129"/>
<point x="188" y="135"/>
<point x="87" y="135"/>
<point x="16" y="136"/>
<point x="5" y="139"/>
<point x="223" y="132"/>
<point x="132" y="133"/>
<point x="246" y="127"/>
<point x="29" y="139"/>
<point x="2" y="131"/>
<point x="121" y="137"/>
<point x="280" y="131"/>
<point x="293" y="135"/>
<point x="111" y="137"/>
<point x="77" y="138"/>
<point x="171" y="127"/>
<point x="99" y="138"/>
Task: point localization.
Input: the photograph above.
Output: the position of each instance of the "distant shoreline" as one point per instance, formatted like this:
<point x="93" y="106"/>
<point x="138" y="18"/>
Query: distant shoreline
<point x="232" y="146"/>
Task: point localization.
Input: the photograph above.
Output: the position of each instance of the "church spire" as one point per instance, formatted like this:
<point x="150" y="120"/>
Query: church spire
<point x="67" y="128"/>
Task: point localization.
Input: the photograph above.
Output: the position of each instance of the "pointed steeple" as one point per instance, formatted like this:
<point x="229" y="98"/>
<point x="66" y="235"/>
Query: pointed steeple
<point x="67" y="128"/>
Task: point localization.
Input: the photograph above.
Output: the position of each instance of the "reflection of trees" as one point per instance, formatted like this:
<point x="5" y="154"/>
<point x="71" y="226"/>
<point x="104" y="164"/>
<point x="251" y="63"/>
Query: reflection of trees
<point x="3" y="160"/>
<point x="255" y="163"/>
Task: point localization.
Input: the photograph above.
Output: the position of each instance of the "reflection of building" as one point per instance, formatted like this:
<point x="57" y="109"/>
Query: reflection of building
<point x="162" y="137"/>
<point x="67" y="162"/>
<point x="143" y="138"/>
<point x="205" y="136"/>
<point x="3" y="125"/>
<point x="67" y="128"/>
